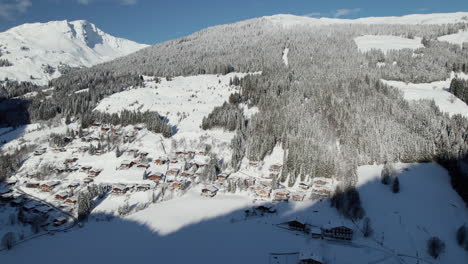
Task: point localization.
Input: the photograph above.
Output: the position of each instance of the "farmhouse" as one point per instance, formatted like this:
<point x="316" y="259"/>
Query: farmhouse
<point x="119" y="189"/>
<point x="222" y="176"/>
<point x="32" y="185"/>
<point x="276" y="167"/>
<point x="209" y="191"/>
<point x="88" y="180"/>
<point x="42" y="209"/>
<point x="143" y="165"/>
<point x="337" y="231"/>
<point x="61" y="196"/>
<point x="71" y="200"/>
<point x="281" y="195"/>
<point x="253" y="164"/>
<point x="176" y="185"/>
<point x="156" y="177"/>
<point x="58" y="221"/>
<point x="263" y="192"/>
<point x="160" y="161"/>
<point x="49" y="186"/>
<point x="303" y="186"/>
<point x="28" y="206"/>
<point x="126" y="164"/>
<point x="296" y="225"/>
<point x="85" y="168"/>
<point x="185" y="174"/>
<point x="94" y="172"/>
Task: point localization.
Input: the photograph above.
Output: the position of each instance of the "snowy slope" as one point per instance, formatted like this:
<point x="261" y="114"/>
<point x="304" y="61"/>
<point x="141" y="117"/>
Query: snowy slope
<point x="457" y="38"/>
<point x="437" y="91"/>
<point x="386" y="43"/>
<point x="30" y="47"/>
<point x="425" y="19"/>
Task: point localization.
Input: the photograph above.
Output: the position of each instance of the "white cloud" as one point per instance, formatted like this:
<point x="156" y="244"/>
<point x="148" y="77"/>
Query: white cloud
<point x="10" y="8"/>
<point x="313" y="14"/>
<point x="344" y="12"/>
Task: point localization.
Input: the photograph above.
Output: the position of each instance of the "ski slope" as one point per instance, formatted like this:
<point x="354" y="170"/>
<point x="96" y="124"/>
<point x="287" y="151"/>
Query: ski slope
<point x="386" y="43"/>
<point x="457" y="38"/>
<point x="31" y="47"/>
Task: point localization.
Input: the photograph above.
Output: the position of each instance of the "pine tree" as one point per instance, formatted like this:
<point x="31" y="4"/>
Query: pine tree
<point x="396" y="186"/>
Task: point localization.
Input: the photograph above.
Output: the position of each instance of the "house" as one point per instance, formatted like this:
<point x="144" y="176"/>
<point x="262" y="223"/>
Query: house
<point x="85" y="168"/>
<point x="253" y="164"/>
<point x="315" y="232"/>
<point x="185" y="174"/>
<point x="297" y="226"/>
<point x="303" y="186"/>
<point x="222" y="176"/>
<point x="143" y="187"/>
<point x="311" y="258"/>
<point x="71" y="200"/>
<point x="49" y="186"/>
<point x="263" y="192"/>
<point x="60" y="169"/>
<point x="7" y="197"/>
<point x="70" y="160"/>
<point x="337" y="231"/>
<point x="32" y="185"/>
<point x="173" y="161"/>
<point x="271" y="175"/>
<point x="209" y="191"/>
<point x="173" y="171"/>
<point x="88" y="180"/>
<point x="61" y="196"/>
<point x="281" y="195"/>
<point x="298" y="197"/>
<point x="40" y="152"/>
<point x="58" y="221"/>
<point x="143" y="165"/>
<point x="143" y="154"/>
<point x="96" y="124"/>
<point x="176" y="185"/>
<point x="73" y="185"/>
<point x="72" y="169"/>
<point x="119" y="189"/>
<point x="276" y="167"/>
<point x="94" y="172"/>
<point x="17" y="202"/>
<point x="201" y="153"/>
<point x="160" y="161"/>
<point x="83" y="148"/>
<point x="138" y="127"/>
<point x="30" y="205"/>
<point x="325" y="192"/>
<point x="42" y="209"/>
<point x="156" y="177"/>
<point x="264" y="209"/>
<point x="11" y="181"/>
<point x="59" y="149"/>
<point x="4" y="190"/>
<point x="126" y="164"/>
<point x="98" y="152"/>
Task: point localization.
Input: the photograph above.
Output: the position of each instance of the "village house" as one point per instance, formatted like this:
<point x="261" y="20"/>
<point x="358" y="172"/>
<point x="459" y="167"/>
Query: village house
<point x="32" y="185"/>
<point x="156" y="177"/>
<point x="11" y="181"/>
<point x="160" y="161"/>
<point x="337" y="231"/>
<point x="303" y="186"/>
<point x="262" y="191"/>
<point x="58" y="149"/>
<point x="315" y="232"/>
<point x="143" y="187"/>
<point x="297" y="226"/>
<point x="311" y="259"/>
<point x="253" y="164"/>
<point x="281" y="195"/>
<point x="119" y="189"/>
<point x="94" y="172"/>
<point x="61" y="196"/>
<point x="176" y="185"/>
<point x="60" y="169"/>
<point x="276" y="167"/>
<point x="17" y="201"/>
<point x="85" y="168"/>
<point x="58" y="221"/>
<point x="6" y="197"/>
<point x="264" y="209"/>
<point x="271" y="175"/>
<point x="73" y="185"/>
<point x="222" y="176"/>
<point x="42" y="209"/>
<point x="250" y="181"/>
<point x="49" y="186"/>
<point x="88" y="180"/>
<point x="126" y="164"/>
<point x="173" y="171"/>
<point x="209" y="191"/>
<point x="298" y="197"/>
<point x="173" y="161"/>
<point x="39" y="152"/>
<point x="98" y="152"/>
<point x="143" y="165"/>
<point x="185" y="174"/>
<point x="30" y="205"/>
<point x="72" y="169"/>
<point x="71" y="200"/>
<point x="143" y="154"/>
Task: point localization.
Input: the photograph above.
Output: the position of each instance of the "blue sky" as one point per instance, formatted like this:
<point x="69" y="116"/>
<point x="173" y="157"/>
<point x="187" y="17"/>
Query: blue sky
<point x="153" y="21"/>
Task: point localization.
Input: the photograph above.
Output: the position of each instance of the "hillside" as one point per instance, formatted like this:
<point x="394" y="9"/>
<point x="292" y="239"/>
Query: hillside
<point x="45" y="51"/>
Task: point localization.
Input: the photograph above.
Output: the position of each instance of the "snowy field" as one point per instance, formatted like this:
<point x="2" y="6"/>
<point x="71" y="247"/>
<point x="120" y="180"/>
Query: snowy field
<point x="437" y="91"/>
<point x="457" y="38"/>
<point x="30" y="47"/>
<point x="386" y="43"/>
<point x="187" y="229"/>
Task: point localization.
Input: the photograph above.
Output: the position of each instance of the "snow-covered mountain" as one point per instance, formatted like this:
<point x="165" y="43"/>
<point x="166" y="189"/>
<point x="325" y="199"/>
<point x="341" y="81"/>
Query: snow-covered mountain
<point x="32" y="48"/>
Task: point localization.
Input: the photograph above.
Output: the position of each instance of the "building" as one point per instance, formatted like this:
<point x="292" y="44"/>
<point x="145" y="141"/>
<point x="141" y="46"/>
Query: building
<point x="143" y="165"/>
<point x="73" y="185"/>
<point x="86" y="168"/>
<point x="160" y="161"/>
<point x="7" y="197"/>
<point x="88" y="180"/>
<point x="337" y="231"/>
<point x="126" y="164"/>
<point x="94" y="172"/>
<point x="30" y="205"/>
<point x="49" y="186"/>
<point x="253" y="164"/>
<point x="156" y="177"/>
<point x="71" y="200"/>
<point x="263" y="192"/>
<point x="143" y="187"/>
<point x="311" y="259"/>
<point x="10" y="181"/>
<point x="61" y="196"/>
<point x="70" y="160"/>
<point x="32" y="185"/>
<point x="58" y="221"/>
<point x="173" y="171"/>
<point x="209" y="191"/>
<point x="119" y="189"/>
<point x="222" y="176"/>
<point x="185" y="174"/>
<point x="303" y="186"/>
<point x="281" y="195"/>
<point x="315" y="232"/>
<point x="298" y="197"/>
<point x="276" y="167"/>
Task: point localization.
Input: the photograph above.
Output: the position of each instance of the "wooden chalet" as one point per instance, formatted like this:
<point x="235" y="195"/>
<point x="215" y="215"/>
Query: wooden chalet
<point x="42" y="209"/>
<point x="143" y="154"/>
<point x="263" y="192"/>
<point x="281" y="195"/>
<point x="156" y="177"/>
<point x="143" y="165"/>
<point x="222" y="176"/>
<point x="59" y="149"/>
<point x="71" y="200"/>
<point x="303" y="186"/>
<point x="99" y="152"/>
<point x="143" y="187"/>
<point x="32" y="185"/>
<point x="276" y="167"/>
<point x="209" y="191"/>
<point x="61" y="196"/>
<point x="160" y="161"/>
<point x="30" y="205"/>
<point x="94" y="172"/>
<point x="341" y="232"/>
<point x="88" y="180"/>
<point x="119" y="189"/>
<point x="176" y="185"/>
<point x="297" y="226"/>
<point x="85" y="168"/>
<point x="58" y="221"/>
<point x="173" y="161"/>
<point x="73" y="185"/>
<point x="173" y="171"/>
<point x="253" y="164"/>
<point x="185" y="174"/>
<point x="298" y="197"/>
<point x="126" y="164"/>
<point x="7" y="197"/>
<point x="11" y="181"/>
<point x="49" y="186"/>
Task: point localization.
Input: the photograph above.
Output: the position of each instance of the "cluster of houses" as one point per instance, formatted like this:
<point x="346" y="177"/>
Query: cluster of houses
<point x="331" y="231"/>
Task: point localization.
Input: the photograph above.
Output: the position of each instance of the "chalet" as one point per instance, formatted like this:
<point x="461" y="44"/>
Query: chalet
<point x="143" y="154"/>
<point x="201" y="153"/>
<point x="296" y="225"/>
<point x="71" y="200"/>
<point x="72" y="169"/>
<point x="276" y="167"/>
<point x="58" y="221"/>
<point x="98" y="152"/>
<point x="88" y="180"/>
<point x="281" y="195"/>
<point x="303" y="186"/>
<point x="173" y="171"/>
<point x="4" y="190"/>
<point x="191" y="152"/>
<point x="85" y="168"/>
<point x="59" y="149"/>
<point x="32" y="185"/>
<point x="119" y="189"/>
<point x="222" y="176"/>
<point x="61" y="196"/>
<point x="263" y="192"/>
<point x="156" y="177"/>
<point x="143" y="165"/>
<point x="133" y="152"/>
<point x="264" y="209"/>
<point x="83" y="148"/>
<point x="179" y="153"/>
<point x="311" y="259"/>
<point x="39" y="152"/>
<point x="105" y="128"/>
<point x="320" y="181"/>
<point x="143" y="187"/>
<point x="185" y="174"/>
<point x="209" y="191"/>
<point x="173" y="161"/>
<point x="94" y="172"/>
<point x="176" y="185"/>
<point x="7" y="197"/>
<point x="253" y="164"/>
<point x="337" y="231"/>
<point x="315" y="232"/>
<point x="11" y="181"/>
<point x="30" y="205"/>
<point x="298" y="197"/>
<point x="73" y="185"/>
<point x="42" y="209"/>
<point x="325" y="192"/>
<point x="271" y="175"/>
<point x="17" y="202"/>
<point x="96" y="124"/>
<point x="49" y="186"/>
<point x="160" y="161"/>
<point x="138" y="127"/>
<point x="126" y="164"/>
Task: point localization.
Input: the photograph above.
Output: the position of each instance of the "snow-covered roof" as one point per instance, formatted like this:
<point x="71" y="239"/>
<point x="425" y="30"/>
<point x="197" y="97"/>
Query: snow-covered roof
<point x="4" y="190"/>
<point x="119" y="187"/>
<point x="126" y="162"/>
<point x="211" y="188"/>
<point x="52" y="183"/>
